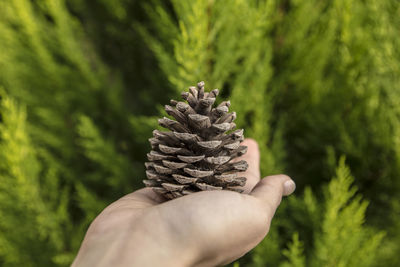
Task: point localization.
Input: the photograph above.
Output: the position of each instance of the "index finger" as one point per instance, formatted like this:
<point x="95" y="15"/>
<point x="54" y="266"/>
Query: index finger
<point x="253" y="159"/>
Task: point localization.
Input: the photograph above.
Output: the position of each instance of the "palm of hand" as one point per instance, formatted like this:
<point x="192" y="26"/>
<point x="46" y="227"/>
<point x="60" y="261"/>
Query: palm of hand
<point x="203" y="229"/>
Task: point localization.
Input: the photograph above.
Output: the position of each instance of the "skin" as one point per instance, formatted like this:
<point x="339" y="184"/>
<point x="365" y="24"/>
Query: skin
<point x="208" y="228"/>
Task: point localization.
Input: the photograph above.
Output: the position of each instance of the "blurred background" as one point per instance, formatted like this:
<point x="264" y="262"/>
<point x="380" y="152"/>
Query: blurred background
<point x="315" y="82"/>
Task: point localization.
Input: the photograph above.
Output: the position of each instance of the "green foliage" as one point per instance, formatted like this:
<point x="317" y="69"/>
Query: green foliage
<point x="30" y="213"/>
<point x="81" y="152"/>
<point x="110" y="168"/>
<point x="344" y="82"/>
<point x="294" y="253"/>
<point x="343" y="240"/>
<point x="340" y="237"/>
<point x="310" y="80"/>
<point x="222" y="58"/>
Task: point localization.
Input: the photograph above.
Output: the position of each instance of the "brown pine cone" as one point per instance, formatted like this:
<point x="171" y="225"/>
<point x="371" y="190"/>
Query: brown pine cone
<point x="196" y="154"/>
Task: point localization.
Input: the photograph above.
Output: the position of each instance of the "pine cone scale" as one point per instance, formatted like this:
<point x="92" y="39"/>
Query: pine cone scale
<point x="191" y="159"/>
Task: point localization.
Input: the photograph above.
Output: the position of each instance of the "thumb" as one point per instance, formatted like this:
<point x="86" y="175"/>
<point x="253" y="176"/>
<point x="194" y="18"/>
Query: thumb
<point x="271" y="189"/>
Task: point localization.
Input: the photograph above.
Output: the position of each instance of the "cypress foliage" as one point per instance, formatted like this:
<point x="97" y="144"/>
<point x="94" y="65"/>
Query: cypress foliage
<point x="310" y="80"/>
<point x="78" y="127"/>
<point x="34" y="203"/>
<point x="340" y="237"/>
<point x="207" y="43"/>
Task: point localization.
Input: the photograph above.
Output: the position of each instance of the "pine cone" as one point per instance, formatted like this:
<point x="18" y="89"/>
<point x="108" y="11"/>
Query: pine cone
<point x="197" y="153"/>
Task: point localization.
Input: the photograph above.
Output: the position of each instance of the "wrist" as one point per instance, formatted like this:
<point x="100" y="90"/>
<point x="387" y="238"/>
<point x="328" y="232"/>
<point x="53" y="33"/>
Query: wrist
<point x="145" y="241"/>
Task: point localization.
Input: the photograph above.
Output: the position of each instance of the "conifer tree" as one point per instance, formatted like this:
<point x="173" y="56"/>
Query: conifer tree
<point x="84" y="83"/>
<point x="335" y="71"/>
<point x="34" y="203"/>
<point x="340" y="236"/>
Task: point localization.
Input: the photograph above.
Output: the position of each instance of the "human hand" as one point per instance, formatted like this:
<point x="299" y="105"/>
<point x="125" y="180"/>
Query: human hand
<point x="207" y="228"/>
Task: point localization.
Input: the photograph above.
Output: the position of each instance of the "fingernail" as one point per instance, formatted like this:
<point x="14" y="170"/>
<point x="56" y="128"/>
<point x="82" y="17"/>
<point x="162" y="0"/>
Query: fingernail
<point x="289" y="187"/>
